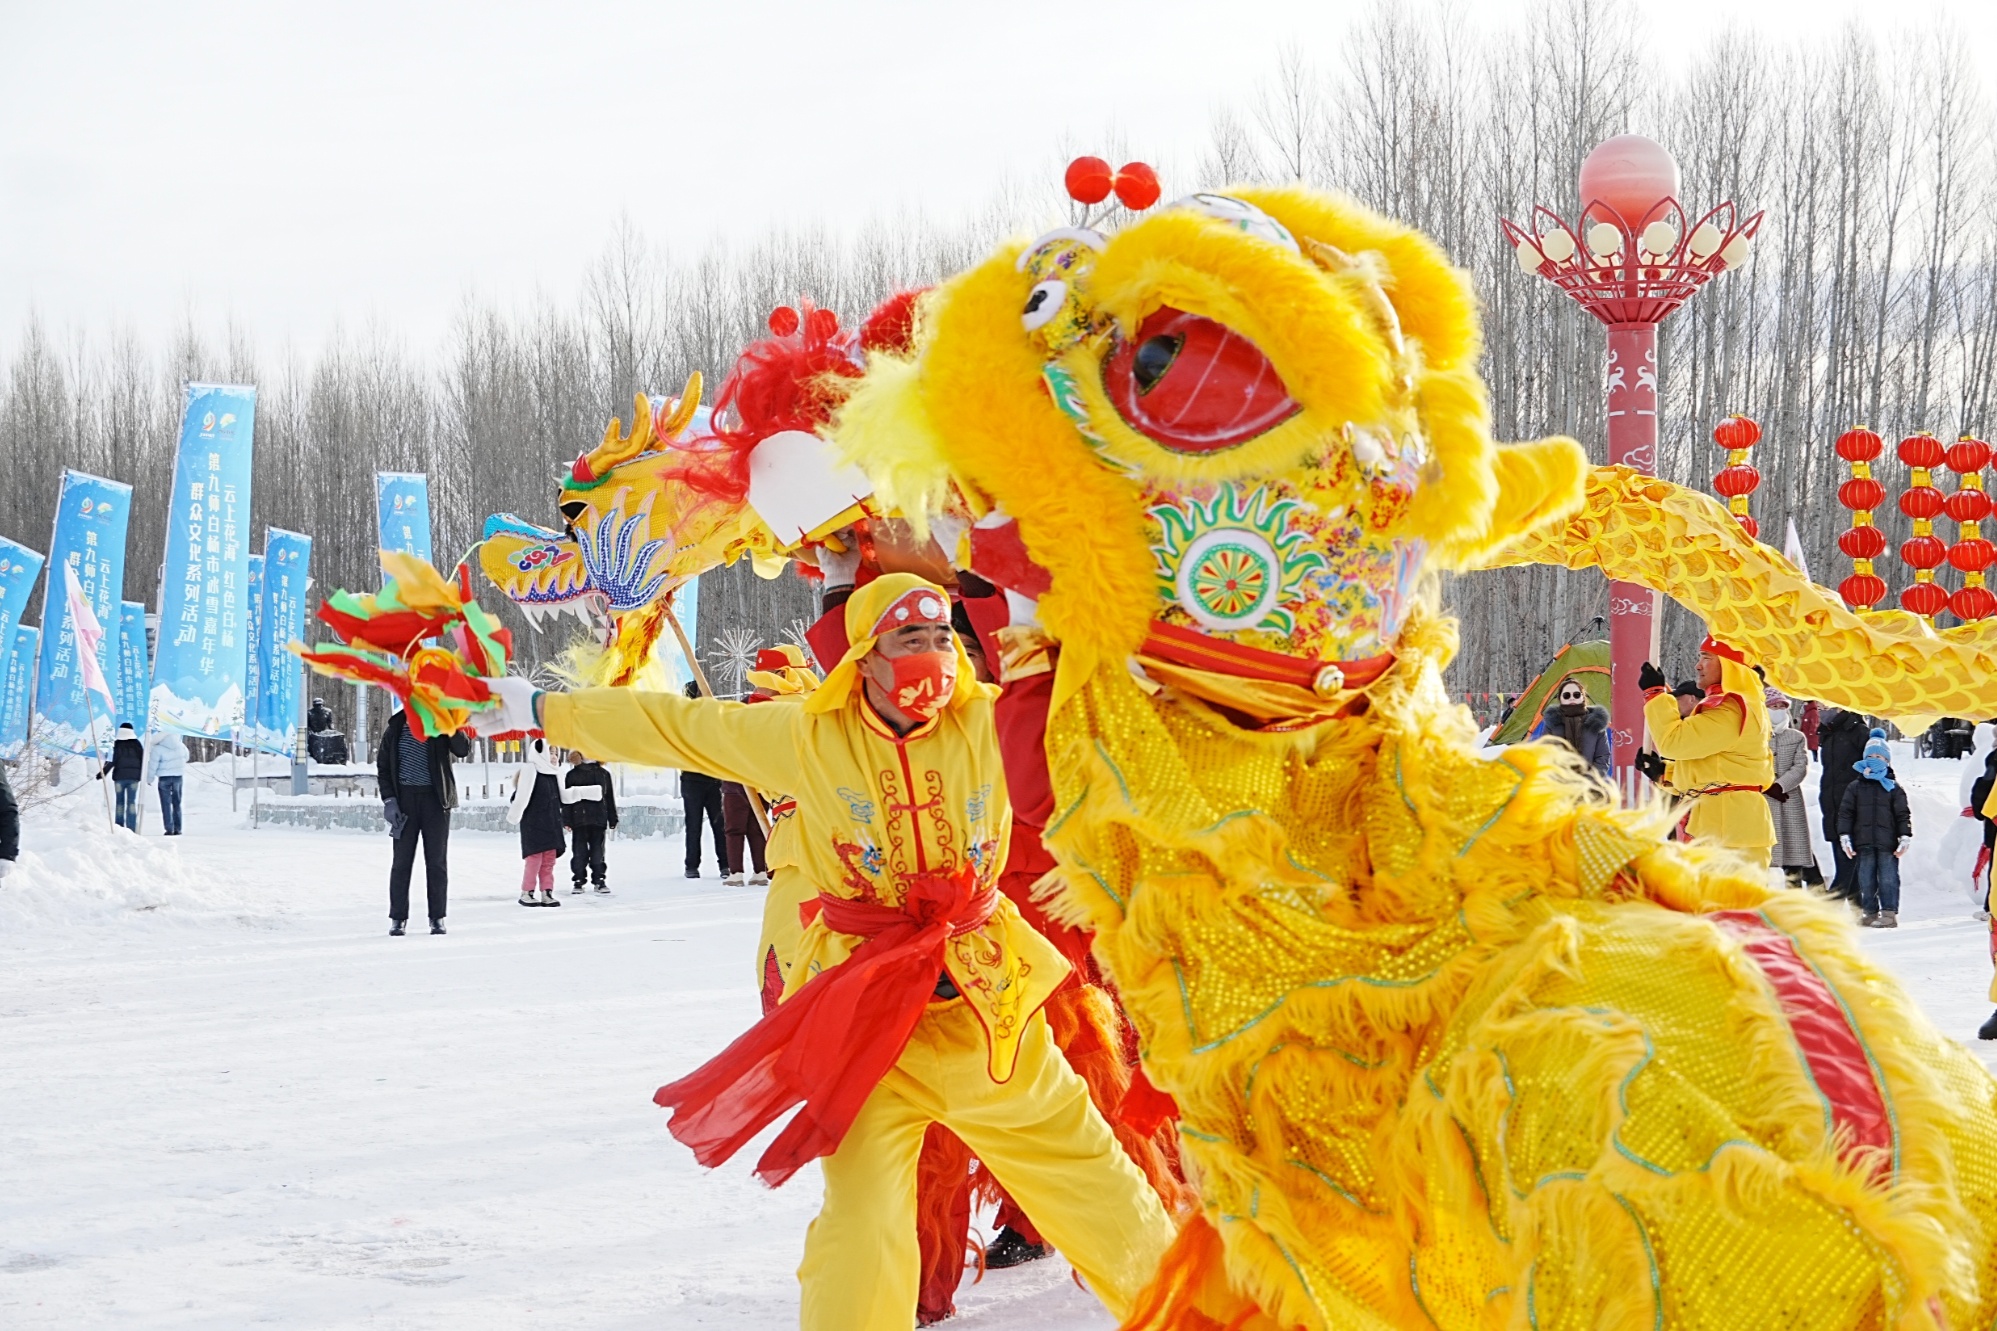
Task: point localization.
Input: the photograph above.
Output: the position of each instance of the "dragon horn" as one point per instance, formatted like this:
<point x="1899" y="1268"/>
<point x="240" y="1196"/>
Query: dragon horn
<point x="680" y="414"/>
<point x="1640" y="529"/>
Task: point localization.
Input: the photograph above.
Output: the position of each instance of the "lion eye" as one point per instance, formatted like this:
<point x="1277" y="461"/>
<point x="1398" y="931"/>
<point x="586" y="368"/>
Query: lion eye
<point x="1194" y="385"/>
<point x="1154" y="356"/>
<point x="1043" y="303"/>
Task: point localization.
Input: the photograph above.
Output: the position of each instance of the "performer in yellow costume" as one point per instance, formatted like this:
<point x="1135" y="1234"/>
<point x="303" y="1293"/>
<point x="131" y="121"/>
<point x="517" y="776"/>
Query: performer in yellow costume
<point x="1719" y="754"/>
<point x="915" y="995"/>
<point x="1454" y="1040"/>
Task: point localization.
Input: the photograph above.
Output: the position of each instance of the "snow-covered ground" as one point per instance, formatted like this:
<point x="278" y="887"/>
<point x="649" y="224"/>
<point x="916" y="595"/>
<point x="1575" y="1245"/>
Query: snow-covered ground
<point x="227" y="1098"/>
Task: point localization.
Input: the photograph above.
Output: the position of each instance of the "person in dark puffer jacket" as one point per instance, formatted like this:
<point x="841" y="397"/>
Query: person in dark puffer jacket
<point x="1875" y="827"/>
<point x="127" y="767"/>
<point x="590" y="809"/>
<point x="1582" y="727"/>
<point x="1841" y="738"/>
<point x="10" y="826"/>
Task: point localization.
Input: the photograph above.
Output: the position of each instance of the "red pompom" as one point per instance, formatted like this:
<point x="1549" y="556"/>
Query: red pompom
<point x="783" y="321"/>
<point x="1921" y="501"/>
<point x="1862" y="590"/>
<point x="1968" y="454"/>
<point x="1737" y="480"/>
<point x="1737" y="432"/>
<point x="1973" y="555"/>
<point x="891" y="327"/>
<point x="1923" y="552"/>
<point x="1967" y="505"/>
<point x="1973" y="603"/>
<point x="1862" y="493"/>
<point x="1089" y="180"/>
<point x="1925" y="598"/>
<point x="1137" y="186"/>
<point x="820" y="325"/>
<point x="1863" y="542"/>
<point x="1859" y="445"/>
<point x="1921" y="450"/>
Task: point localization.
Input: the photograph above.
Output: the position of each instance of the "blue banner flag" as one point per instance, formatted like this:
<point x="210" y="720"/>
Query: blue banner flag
<point x="253" y="688"/>
<point x="17" y="691"/>
<point x="132" y="665"/>
<point x="19" y="567"/>
<point x="402" y="512"/>
<point x="281" y="679"/>
<point x="91" y="517"/>
<point x="201" y="659"/>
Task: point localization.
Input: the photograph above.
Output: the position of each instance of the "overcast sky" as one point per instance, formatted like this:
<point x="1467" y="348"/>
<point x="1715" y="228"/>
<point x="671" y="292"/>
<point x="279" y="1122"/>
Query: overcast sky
<point x="296" y="166"/>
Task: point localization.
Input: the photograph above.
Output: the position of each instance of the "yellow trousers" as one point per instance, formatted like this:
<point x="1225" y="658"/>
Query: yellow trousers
<point x="1041" y="1137"/>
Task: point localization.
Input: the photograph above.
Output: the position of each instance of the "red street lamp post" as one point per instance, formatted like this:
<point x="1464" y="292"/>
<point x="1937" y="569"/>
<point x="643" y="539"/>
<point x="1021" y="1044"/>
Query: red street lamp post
<point x="1630" y="261"/>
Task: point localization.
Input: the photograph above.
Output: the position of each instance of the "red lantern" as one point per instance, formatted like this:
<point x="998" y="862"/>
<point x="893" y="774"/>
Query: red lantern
<point x="1923" y="552"/>
<point x="1921" y="501"/>
<point x="1863" y="542"/>
<point x="1862" y="493"/>
<point x="1859" y="445"/>
<point x="1972" y="603"/>
<point x="1863" y="590"/>
<point x="1967" y="454"/>
<point x="1737" y="432"/>
<point x="1926" y="599"/>
<point x="1967" y="505"/>
<point x="1972" y="555"/>
<point x="1737" y="480"/>
<point x="1137" y="186"/>
<point x="1089" y="180"/>
<point x="1922" y="450"/>
<point x="1749" y="525"/>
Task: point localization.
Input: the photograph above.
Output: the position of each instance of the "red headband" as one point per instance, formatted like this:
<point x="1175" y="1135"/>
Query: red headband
<point x="1714" y="647"/>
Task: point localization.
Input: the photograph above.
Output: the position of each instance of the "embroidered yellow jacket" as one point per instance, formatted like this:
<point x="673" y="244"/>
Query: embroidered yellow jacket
<point x="872" y="807"/>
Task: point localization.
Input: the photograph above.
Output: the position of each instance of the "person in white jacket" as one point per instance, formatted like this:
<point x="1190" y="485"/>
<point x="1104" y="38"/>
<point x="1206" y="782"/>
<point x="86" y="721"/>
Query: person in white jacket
<point x="166" y="765"/>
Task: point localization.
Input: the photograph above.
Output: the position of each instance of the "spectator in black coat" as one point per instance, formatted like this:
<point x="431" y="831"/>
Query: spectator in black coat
<point x="10" y="826"/>
<point x="590" y="809"/>
<point x="1875" y="827"/>
<point x="127" y="767"/>
<point x="418" y="792"/>
<point x="1841" y="738"/>
<point x="319" y="717"/>
<point x="700" y="799"/>
<point x="1581" y="726"/>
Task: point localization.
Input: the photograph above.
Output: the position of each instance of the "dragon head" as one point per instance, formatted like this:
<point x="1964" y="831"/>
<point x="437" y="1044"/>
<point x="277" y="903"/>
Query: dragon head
<point x="1252" y="416"/>
<point x="637" y="526"/>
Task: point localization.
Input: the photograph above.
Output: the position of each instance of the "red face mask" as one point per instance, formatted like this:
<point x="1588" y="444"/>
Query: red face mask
<point x="923" y="682"/>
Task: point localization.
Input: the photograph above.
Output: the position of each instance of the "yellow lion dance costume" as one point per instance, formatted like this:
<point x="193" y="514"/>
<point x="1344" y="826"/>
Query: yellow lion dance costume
<point x="1454" y="1040"/>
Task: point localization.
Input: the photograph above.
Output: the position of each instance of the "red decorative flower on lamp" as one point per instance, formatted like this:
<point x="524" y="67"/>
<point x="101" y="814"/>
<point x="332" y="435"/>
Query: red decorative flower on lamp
<point x="1863" y="541"/>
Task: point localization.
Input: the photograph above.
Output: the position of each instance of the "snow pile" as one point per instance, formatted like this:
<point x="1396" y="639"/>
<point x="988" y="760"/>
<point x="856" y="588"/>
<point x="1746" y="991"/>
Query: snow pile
<point x="77" y="870"/>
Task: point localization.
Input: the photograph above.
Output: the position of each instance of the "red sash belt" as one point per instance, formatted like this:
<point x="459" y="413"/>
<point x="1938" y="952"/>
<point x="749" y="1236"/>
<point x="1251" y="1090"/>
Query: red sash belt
<point x="1188" y="647"/>
<point x="832" y="1042"/>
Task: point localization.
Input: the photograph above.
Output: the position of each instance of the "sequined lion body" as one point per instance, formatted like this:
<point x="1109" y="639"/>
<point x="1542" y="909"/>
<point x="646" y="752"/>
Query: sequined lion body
<point x="1454" y="1041"/>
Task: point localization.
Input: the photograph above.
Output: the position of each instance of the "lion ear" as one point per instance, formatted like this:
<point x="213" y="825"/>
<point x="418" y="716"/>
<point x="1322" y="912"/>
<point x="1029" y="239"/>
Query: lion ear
<point x="1538" y="483"/>
<point x="884" y="428"/>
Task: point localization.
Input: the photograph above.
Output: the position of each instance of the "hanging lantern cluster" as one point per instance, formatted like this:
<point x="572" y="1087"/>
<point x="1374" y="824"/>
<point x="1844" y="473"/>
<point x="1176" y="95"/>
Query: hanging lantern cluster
<point x="1923" y="551"/>
<point x="1969" y="505"/>
<point x="1863" y="542"/>
<point x="1737" y="480"/>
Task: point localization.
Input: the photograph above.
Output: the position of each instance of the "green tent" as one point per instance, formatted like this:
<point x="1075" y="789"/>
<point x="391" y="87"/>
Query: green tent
<point x="1588" y="661"/>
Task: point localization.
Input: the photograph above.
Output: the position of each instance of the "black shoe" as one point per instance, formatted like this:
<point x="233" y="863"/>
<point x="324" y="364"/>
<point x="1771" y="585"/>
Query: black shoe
<point x="693" y="873"/>
<point x="1988" y="1030"/>
<point x="436" y="926"/>
<point x="395" y="929"/>
<point x="603" y="889"/>
<point x="576" y="890"/>
<point x="1010" y="1249"/>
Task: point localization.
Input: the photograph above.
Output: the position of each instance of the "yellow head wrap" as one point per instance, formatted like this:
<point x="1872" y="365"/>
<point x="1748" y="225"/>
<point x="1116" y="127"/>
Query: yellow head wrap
<point x="871" y="611"/>
<point x="793" y="676"/>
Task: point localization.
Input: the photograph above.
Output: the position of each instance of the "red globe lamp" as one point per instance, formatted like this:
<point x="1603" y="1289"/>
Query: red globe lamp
<point x="1863" y="541"/>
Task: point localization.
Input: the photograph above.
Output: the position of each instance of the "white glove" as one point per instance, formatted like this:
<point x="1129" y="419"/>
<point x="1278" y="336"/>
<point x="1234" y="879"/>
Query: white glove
<point x="1901" y="849"/>
<point x="840" y="567"/>
<point x="6" y="867"/>
<point x="1845" y="842"/>
<point x="518" y="703"/>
